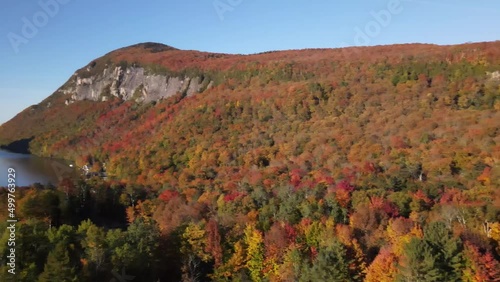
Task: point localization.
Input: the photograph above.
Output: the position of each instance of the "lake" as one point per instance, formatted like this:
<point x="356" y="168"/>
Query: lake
<point x="31" y="169"/>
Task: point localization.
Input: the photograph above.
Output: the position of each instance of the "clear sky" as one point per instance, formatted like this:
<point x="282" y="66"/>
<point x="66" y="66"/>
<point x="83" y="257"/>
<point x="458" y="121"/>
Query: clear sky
<point x="41" y="45"/>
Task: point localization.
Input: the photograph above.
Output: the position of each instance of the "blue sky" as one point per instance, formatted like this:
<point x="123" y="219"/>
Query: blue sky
<point x="70" y="33"/>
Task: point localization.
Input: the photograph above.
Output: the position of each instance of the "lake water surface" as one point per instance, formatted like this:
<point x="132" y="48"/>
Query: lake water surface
<point x="31" y="169"/>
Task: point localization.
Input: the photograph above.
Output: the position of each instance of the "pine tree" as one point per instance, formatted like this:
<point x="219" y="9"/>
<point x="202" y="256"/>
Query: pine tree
<point x="58" y="266"/>
<point x="447" y="249"/>
<point x="419" y="263"/>
<point x="329" y="265"/>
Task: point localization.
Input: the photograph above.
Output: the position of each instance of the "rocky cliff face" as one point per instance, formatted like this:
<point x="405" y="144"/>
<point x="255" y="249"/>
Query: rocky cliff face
<point x="130" y="83"/>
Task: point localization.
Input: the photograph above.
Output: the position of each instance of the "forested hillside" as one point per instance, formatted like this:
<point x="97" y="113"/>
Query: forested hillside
<point x="357" y="164"/>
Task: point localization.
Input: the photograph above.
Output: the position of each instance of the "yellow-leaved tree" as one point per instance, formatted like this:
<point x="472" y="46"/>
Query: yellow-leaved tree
<point x="255" y="252"/>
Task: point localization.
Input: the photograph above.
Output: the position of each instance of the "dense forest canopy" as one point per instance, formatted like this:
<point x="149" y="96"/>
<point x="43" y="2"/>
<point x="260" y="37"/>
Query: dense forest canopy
<point x="356" y="164"/>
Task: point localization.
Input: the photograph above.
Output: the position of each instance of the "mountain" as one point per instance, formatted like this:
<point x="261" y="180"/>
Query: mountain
<point x="138" y="100"/>
<point x="356" y="164"/>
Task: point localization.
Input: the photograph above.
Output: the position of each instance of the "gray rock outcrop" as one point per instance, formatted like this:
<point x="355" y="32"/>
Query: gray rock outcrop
<point x="132" y="83"/>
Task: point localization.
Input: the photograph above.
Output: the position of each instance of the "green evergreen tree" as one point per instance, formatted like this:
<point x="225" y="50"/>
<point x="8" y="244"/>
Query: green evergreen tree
<point x="329" y="265"/>
<point x="32" y="247"/>
<point x="419" y="263"/>
<point x="447" y="249"/>
<point x="58" y="266"/>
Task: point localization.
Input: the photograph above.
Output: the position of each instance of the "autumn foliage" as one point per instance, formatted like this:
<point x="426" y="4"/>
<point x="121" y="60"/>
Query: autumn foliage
<point x="357" y="164"/>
